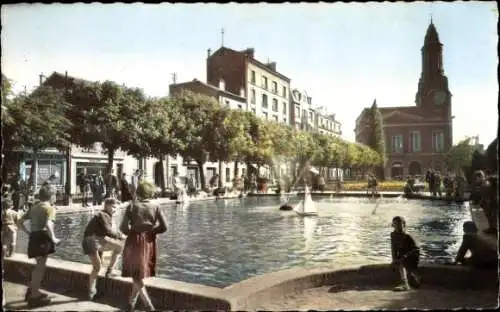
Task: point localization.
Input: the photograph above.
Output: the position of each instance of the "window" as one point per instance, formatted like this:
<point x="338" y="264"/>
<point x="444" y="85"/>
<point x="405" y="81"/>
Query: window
<point x="310" y="116"/>
<point x="284" y="120"/>
<point x="284" y="92"/>
<point x="253" y="110"/>
<point x="228" y="174"/>
<point x="240" y="106"/>
<point x="252" y="96"/>
<point x="275" y="87"/>
<point x="264" y="101"/>
<point x="264" y="114"/>
<point x="438" y="141"/>
<point x="284" y="107"/>
<point x="275" y="118"/>
<point x="252" y="78"/>
<point x="415" y="141"/>
<point x="297" y="111"/>
<point x="275" y="105"/>
<point x="227" y="103"/>
<point x="264" y="82"/>
<point x="397" y="144"/>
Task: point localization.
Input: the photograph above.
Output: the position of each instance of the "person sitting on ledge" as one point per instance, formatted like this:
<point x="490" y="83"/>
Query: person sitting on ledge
<point x="405" y="254"/>
<point x="99" y="236"/>
<point x="489" y="203"/>
<point x="482" y="255"/>
<point x="408" y="189"/>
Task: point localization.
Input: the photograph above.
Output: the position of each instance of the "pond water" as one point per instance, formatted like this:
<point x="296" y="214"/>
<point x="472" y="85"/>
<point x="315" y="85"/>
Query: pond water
<point x="218" y="243"/>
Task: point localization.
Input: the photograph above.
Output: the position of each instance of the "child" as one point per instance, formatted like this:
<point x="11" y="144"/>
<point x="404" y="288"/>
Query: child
<point x="482" y="255"/>
<point x="405" y="254"/>
<point x="41" y="243"/>
<point x="99" y="236"/>
<point x="9" y="227"/>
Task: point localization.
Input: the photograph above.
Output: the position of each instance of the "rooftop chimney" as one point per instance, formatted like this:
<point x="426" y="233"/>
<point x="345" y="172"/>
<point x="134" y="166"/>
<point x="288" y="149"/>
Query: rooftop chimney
<point x="209" y="52"/>
<point x="272" y="66"/>
<point x="249" y="52"/>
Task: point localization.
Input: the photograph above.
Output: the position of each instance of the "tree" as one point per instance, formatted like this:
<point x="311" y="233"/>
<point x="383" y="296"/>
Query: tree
<point x="38" y="122"/>
<point x="377" y="139"/>
<point x="114" y="117"/>
<point x="459" y="158"/>
<point x="237" y="129"/>
<point x="492" y="156"/>
<point x="199" y="110"/>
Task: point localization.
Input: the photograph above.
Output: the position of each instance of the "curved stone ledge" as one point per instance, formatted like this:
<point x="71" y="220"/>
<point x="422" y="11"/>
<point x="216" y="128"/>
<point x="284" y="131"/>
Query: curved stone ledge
<point x="176" y="295"/>
<point x="277" y="285"/>
<point x="73" y="277"/>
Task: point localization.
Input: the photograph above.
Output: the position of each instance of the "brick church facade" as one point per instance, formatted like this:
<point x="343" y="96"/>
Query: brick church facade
<point x="417" y="137"/>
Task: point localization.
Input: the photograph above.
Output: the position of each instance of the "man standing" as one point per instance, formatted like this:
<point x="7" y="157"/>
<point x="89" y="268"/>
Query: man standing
<point x="135" y="180"/>
<point x="111" y="185"/>
<point x="97" y="188"/>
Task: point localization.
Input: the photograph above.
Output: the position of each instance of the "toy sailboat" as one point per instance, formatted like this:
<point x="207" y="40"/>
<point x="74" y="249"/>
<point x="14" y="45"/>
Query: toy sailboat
<point x="306" y="207"/>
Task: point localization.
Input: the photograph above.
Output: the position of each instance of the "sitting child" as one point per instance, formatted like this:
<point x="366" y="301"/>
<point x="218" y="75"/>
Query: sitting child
<point x="482" y="255"/>
<point x="9" y="227"/>
<point x="99" y="236"/>
<point x="405" y="254"/>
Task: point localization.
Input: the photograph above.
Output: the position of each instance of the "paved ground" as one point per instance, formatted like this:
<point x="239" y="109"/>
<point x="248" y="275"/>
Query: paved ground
<point x="14" y="301"/>
<point x="329" y="298"/>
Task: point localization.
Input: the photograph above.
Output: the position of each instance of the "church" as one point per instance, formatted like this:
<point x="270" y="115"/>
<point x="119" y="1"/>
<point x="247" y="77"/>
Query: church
<point x="417" y="137"/>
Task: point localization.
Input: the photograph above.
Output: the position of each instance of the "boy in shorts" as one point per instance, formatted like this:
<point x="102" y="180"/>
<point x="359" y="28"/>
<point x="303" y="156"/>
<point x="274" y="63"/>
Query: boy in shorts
<point x="99" y="236"/>
<point x="405" y="254"/>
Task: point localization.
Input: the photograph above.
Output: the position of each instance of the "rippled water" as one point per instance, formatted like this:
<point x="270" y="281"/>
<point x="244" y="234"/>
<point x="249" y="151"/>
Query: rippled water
<point x="218" y="243"/>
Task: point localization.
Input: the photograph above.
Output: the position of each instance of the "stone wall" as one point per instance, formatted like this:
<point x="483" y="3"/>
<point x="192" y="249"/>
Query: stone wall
<point x="65" y="276"/>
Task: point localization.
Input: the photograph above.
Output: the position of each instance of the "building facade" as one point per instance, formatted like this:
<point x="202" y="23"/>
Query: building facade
<point x="265" y="89"/>
<point x="418" y="137"/>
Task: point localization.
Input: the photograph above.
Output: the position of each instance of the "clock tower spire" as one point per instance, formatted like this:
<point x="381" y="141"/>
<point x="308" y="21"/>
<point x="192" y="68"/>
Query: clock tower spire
<point x="433" y="84"/>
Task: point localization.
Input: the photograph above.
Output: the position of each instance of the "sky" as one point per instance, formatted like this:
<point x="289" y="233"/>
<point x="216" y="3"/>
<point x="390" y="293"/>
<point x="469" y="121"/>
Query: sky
<point x="344" y="55"/>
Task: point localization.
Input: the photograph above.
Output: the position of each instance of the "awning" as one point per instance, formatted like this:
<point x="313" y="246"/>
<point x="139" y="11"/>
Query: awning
<point x="314" y="170"/>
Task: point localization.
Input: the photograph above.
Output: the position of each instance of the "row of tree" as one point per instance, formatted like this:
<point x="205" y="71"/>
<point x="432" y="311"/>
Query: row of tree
<point x="192" y="125"/>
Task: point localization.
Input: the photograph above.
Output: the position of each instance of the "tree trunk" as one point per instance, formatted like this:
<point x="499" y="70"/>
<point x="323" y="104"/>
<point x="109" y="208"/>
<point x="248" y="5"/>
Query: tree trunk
<point x="162" y="175"/>
<point x="34" y="169"/>
<point x="220" y="174"/>
<point x="111" y="154"/>
<point x="235" y="169"/>
<point x="202" y="175"/>
<point x="67" y="187"/>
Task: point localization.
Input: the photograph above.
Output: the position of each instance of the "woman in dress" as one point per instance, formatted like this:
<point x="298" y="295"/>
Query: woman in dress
<point x="141" y="222"/>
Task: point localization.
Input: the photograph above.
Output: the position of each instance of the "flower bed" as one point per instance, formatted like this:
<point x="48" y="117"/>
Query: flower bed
<point x="395" y="186"/>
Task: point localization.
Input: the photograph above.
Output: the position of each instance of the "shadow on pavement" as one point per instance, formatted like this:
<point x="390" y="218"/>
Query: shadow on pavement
<point x="21" y="305"/>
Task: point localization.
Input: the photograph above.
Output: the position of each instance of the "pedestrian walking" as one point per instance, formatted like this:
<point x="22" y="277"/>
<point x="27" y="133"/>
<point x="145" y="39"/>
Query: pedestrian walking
<point x="142" y="222"/>
<point x="10" y="218"/>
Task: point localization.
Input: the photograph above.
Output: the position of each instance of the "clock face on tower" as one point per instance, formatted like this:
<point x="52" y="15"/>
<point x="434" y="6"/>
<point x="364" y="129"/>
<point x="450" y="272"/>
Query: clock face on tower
<point x="439" y="97"/>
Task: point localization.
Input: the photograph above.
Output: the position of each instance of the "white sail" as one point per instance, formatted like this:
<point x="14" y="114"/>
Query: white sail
<point x="307" y="206"/>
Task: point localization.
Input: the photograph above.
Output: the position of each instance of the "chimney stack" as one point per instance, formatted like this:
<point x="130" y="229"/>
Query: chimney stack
<point x="209" y="52"/>
<point x="272" y="66"/>
<point x="249" y="52"/>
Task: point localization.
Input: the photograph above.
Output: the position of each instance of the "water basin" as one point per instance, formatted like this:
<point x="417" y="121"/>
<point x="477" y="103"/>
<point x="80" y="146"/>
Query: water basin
<point x="218" y="243"/>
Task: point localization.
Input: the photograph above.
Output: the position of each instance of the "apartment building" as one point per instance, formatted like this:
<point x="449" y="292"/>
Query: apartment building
<point x="305" y="116"/>
<point x="265" y="89"/>
<point x="418" y="137"/>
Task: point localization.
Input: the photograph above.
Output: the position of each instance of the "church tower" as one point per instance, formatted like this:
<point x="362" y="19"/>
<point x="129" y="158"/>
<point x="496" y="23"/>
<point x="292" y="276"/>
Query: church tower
<point x="433" y="91"/>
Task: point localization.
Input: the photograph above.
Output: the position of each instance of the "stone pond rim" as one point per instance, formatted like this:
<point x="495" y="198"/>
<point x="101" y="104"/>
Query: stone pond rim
<point x="253" y="291"/>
